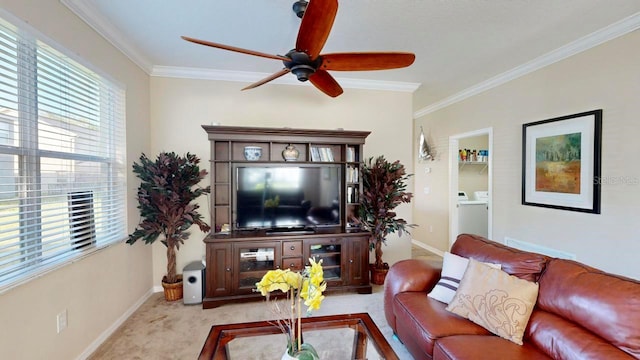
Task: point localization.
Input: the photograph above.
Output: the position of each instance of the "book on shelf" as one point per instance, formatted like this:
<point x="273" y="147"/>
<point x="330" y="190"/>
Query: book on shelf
<point x="323" y="154"/>
<point x="315" y="154"/>
<point x="352" y="195"/>
<point x="352" y="174"/>
<point x="351" y="154"/>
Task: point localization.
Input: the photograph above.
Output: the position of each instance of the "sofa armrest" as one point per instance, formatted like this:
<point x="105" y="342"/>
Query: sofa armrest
<point x="404" y="276"/>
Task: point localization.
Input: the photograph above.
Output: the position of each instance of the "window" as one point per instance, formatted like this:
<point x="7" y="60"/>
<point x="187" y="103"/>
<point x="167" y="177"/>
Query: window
<point x="62" y="151"/>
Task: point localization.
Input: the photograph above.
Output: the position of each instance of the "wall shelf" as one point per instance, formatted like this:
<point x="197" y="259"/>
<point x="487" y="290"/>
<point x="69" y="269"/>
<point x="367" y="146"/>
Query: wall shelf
<point x="482" y="164"/>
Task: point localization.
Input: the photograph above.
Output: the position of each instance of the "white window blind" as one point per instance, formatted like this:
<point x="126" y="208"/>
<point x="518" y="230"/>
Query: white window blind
<point x="62" y="154"/>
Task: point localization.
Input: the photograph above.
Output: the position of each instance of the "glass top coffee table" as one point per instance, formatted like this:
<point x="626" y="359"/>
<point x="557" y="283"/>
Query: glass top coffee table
<point x="348" y="336"/>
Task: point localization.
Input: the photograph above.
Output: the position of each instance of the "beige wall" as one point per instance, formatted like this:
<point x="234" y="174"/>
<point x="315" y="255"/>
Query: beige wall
<point x="181" y="106"/>
<point x="99" y="289"/>
<point x="606" y="77"/>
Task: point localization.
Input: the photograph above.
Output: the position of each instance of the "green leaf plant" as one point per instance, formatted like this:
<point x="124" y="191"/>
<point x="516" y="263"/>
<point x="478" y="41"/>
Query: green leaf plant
<point x="384" y="186"/>
<point x="167" y="189"/>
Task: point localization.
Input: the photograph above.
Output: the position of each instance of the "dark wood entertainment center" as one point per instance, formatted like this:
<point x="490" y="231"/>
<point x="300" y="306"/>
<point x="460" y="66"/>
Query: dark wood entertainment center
<point x="238" y="257"/>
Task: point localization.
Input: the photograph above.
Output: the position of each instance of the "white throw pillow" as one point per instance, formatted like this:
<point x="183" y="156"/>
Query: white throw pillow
<point x="453" y="267"/>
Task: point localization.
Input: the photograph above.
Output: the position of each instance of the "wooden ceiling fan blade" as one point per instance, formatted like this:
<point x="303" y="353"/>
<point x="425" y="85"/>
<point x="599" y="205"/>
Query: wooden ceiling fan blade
<point x="267" y="79"/>
<point x="236" y="49"/>
<point x="365" y="61"/>
<point x="316" y="26"/>
<point x="326" y="83"/>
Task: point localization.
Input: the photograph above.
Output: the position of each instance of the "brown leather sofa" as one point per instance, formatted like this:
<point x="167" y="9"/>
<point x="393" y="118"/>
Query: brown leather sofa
<point x="581" y="312"/>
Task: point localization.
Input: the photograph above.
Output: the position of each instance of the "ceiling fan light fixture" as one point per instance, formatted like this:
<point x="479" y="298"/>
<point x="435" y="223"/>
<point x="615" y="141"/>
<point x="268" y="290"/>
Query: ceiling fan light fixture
<point x="302" y="72"/>
<point x="299" y="7"/>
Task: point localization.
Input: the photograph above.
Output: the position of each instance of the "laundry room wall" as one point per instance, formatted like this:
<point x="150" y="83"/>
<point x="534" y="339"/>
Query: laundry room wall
<point x="473" y="177"/>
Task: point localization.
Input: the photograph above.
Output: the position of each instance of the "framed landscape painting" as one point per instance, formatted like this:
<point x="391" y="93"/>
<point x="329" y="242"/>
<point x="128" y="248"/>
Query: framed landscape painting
<point x="561" y="162"/>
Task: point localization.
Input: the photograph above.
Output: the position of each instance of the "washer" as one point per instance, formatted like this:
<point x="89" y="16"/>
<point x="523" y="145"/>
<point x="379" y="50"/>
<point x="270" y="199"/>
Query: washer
<point x="473" y="215"/>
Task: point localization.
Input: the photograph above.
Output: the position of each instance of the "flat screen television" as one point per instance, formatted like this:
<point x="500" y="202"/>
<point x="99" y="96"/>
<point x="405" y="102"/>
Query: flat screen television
<point x="282" y="196"/>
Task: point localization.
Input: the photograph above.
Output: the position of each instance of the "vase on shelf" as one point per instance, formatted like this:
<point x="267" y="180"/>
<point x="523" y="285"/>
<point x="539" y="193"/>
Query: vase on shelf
<point x="290" y="153"/>
<point x="252" y="153"/>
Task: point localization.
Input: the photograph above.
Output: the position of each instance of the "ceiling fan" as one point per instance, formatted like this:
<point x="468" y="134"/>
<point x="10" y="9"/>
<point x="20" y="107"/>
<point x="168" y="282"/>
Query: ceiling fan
<point x="306" y="62"/>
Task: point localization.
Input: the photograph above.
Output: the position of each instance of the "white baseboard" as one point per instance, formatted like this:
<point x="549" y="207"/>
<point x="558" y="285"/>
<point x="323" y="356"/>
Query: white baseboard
<point x="427" y="247"/>
<point x="111" y="329"/>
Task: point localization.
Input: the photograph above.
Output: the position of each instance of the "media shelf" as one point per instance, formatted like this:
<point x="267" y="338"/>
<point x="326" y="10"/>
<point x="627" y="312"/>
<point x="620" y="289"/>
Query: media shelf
<point x="237" y="258"/>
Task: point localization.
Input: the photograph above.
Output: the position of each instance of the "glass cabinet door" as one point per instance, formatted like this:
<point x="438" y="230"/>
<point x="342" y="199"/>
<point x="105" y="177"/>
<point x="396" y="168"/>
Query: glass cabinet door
<point x="254" y="260"/>
<point x="330" y="251"/>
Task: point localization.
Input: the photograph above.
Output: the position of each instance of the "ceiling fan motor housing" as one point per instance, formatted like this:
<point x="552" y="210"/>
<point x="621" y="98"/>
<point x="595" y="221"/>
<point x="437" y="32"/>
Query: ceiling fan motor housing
<point x="301" y="65"/>
<point x="299" y="7"/>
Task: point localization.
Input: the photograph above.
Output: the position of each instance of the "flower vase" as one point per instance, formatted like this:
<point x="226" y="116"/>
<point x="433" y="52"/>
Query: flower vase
<point x="286" y="356"/>
<point x="306" y="352"/>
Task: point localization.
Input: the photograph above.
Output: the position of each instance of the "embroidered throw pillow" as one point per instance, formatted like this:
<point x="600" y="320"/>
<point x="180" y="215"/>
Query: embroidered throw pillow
<point x="453" y="267"/>
<point x="495" y="300"/>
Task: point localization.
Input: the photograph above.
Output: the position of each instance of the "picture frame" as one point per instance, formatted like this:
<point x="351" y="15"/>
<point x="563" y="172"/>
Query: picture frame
<point x="561" y="162"/>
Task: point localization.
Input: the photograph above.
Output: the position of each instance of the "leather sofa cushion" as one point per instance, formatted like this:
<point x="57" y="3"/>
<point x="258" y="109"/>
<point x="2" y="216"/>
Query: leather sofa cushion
<point x="562" y="339"/>
<point x="525" y="265"/>
<point x="424" y="320"/>
<point x="484" y="347"/>
<point x="603" y="304"/>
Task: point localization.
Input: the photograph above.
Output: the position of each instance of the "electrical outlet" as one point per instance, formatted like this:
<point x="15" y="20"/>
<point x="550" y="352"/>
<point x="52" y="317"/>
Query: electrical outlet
<point x="430" y="228"/>
<point x="426" y="190"/>
<point x="62" y="320"/>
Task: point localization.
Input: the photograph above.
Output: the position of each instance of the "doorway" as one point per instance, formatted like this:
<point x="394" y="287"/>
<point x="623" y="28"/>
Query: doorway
<point x="470" y="176"/>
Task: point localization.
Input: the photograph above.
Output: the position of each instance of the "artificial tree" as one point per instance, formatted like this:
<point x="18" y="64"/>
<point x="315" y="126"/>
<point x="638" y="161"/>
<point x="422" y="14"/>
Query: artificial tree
<point x="384" y="186"/>
<point x="167" y="189"/>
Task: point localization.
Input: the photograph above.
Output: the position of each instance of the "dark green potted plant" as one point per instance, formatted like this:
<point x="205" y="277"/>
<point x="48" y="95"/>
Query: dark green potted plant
<point x="384" y="187"/>
<point x="165" y="199"/>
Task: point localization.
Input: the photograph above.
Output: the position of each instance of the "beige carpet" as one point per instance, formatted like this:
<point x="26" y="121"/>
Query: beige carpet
<point x="163" y="330"/>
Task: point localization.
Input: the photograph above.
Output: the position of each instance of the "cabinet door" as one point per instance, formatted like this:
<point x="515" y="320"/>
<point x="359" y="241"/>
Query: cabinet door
<point x="252" y="261"/>
<point x="357" y="260"/>
<point x="218" y="271"/>
<point x="329" y="250"/>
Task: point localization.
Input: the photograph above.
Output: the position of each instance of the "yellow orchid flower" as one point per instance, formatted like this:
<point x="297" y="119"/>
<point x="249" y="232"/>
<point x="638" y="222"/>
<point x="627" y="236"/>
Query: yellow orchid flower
<point x="313" y="303"/>
<point x="308" y="286"/>
<point x="282" y="280"/>
<point x="316" y="275"/>
<point x="293" y="279"/>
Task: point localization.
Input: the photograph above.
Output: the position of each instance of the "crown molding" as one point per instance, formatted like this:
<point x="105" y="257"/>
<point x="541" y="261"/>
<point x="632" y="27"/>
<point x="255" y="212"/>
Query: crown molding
<point x="92" y="17"/>
<point x="594" y="39"/>
<point x="251" y="77"/>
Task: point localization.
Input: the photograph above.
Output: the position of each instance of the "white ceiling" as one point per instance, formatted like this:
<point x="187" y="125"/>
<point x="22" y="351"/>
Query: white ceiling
<point x="458" y="43"/>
